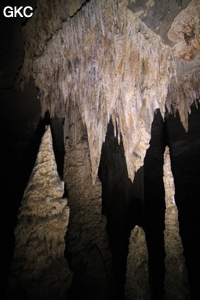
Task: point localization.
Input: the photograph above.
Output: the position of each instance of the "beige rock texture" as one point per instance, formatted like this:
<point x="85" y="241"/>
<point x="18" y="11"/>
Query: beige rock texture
<point x="39" y="269"/>
<point x="176" y="281"/>
<point x="137" y="274"/>
<point x="86" y="240"/>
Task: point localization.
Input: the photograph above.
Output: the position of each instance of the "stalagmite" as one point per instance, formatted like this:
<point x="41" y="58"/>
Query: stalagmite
<point x="137" y="275"/>
<point x="176" y="284"/>
<point x="39" y="269"/>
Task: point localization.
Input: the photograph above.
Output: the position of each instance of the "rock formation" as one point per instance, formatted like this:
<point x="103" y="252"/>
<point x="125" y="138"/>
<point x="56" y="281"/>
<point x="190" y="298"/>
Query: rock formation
<point x="39" y="269"/>
<point x="176" y="284"/>
<point x="95" y="62"/>
<point x="137" y="274"/>
<point x="87" y="240"/>
<point x="107" y="63"/>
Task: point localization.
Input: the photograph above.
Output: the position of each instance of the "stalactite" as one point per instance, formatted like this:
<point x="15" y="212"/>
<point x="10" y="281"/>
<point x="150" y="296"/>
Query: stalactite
<point x="176" y="284"/>
<point x="183" y="92"/>
<point x="113" y="60"/>
<point x="39" y="262"/>
<point x="137" y="275"/>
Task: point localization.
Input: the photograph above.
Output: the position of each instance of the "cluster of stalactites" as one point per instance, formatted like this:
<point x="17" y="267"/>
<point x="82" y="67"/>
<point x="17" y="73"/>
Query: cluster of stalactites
<point x="106" y="62"/>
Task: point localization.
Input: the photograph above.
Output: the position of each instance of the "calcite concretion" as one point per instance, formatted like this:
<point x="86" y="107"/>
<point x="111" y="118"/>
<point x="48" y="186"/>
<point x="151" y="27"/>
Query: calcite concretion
<point x="108" y="63"/>
<point x="39" y="269"/>
<point x="176" y="283"/>
<point x="137" y="275"/>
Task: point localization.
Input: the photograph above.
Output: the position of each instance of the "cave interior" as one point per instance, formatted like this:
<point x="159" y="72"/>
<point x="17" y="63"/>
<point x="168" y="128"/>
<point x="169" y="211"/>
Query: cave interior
<point x="125" y="202"/>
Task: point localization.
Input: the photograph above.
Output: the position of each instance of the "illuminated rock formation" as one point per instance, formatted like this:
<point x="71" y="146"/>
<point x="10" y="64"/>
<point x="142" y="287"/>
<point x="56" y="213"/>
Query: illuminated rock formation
<point x="137" y="274"/>
<point x="39" y="269"/>
<point x="176" y="284"/>
<point x="108" y="63"/>
<point x="97" y="62"/>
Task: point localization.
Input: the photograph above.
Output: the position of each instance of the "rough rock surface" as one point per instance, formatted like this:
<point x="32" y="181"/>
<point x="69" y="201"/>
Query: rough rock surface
<point x="137" y="274"/>
<point x="176" y="283"/>
<point x="185" y="32"/>
<point x="39" y="269"/>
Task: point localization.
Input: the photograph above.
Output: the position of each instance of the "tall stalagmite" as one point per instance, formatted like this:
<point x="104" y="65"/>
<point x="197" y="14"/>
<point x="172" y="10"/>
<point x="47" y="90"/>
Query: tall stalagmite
<point x="39" y="269"/>
<point x="137" y="274"/>
<point x="176" y="284"/>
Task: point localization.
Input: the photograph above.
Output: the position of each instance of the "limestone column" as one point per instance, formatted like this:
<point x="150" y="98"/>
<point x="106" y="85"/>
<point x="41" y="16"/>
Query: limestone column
<point x="87" y="240"/>
<point x="39" y="269"/>
<point x="176" y="283"/>
<point x="137" y="274"/>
